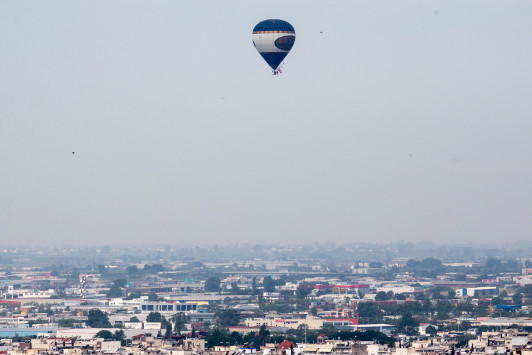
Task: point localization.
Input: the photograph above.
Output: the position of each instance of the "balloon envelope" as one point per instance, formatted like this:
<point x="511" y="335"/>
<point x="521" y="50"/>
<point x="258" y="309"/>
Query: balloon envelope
<point x="274" y="40"/>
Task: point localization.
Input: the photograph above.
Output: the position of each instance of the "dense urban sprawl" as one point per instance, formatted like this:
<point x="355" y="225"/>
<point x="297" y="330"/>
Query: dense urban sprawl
<point x="316" y="299"/>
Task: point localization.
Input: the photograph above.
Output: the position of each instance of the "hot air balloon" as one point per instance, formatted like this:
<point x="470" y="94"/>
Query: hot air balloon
<point x="274" y="40"/>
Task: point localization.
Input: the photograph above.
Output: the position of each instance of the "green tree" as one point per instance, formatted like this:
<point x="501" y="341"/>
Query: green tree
<point x="105" y="334"/>
<point x="154" y="317"/>
<point x="264" y="333"/>
<point x="132" y="270"/>
<point x="67" y="323"/>
<point x="328" y="329"/>
<point x="527" y="290"/>
<point x="114" y="291"/>
<point x="212" y="284"/>
<point x="227" y="317"/>
<point x="135" y="294"/>
<point x="368" y="310"/>
<point x="152" y="297"/>
<point x="180" y="319"/>
<point x="119" y="335"/>
<point x="304" y="289"/>
<point x="431" y="330"/>
<point x="407" y="325"/>
<point x="495" y="301"/>
<point x="381" y="296"/>
<point x="102" y="269"/>
<point x="269" y="284"/>
<point x="120" y="282"/>
<point x="218" y="336"/>
<point x="134" y="319"/>
<point x="60" y="294"/>
<point x="152" y="269"/>
<point x="314" y="311"/>
<point x="254" y="290"/>
<point x="517" y="298"/>
<point x="98" y="319"/>
<point x="168" y="331"/>
<point x="432" y="263"/>
<point x="462" y="340"/>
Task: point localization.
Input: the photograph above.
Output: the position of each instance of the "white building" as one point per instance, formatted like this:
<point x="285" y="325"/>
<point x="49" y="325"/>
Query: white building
<point x="478" y="291"/>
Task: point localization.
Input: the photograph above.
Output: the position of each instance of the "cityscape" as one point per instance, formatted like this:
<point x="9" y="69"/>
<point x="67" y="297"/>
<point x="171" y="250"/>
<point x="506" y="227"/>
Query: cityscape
<point x="301" y="177"/>
<point x="317" y="298"/>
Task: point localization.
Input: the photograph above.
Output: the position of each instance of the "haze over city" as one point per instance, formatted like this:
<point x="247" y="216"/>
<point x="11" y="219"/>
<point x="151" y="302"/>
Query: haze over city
<point x="158" y="122"/>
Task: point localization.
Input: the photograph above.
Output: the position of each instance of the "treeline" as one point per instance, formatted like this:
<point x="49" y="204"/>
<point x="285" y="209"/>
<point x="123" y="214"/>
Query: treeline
<point x="222" y="336"/>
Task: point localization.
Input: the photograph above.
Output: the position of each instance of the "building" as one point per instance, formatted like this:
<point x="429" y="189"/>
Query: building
<point x="478" y="291"/>
<point x="168" y="307"/>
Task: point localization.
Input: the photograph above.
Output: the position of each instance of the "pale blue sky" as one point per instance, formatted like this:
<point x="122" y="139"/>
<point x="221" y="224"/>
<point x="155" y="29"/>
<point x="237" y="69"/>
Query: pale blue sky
<point x="403" y="120"/>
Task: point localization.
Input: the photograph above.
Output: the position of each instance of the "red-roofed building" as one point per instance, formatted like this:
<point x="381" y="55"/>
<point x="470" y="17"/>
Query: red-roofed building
<point x="287" y="344"/>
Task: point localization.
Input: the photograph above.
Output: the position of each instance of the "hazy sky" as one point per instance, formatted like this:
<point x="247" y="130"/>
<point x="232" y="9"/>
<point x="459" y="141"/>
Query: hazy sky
<point x="403" y="120"/>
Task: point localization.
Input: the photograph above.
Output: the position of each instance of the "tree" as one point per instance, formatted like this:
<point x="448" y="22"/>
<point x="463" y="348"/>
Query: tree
<point x="408" y="325"/>
<point x="135" y="294"/>
<point x="254" y="285"/>
<point x="527" y="290"/>
<point x="154" y="317"/>
<point x="496" y="301"/>
<point x="264" y="333"/>
<point x="227" y="317"/>
<point x="493" y="264"/>
<point x="152" y="269"/>
<point x="134" y="319"/>
<point x="105" y="334"/>
<point x="304" y="289"/>
<point x="431" y="330"/>
<point x="132" y="270"/>
<point x="152" y="297"/>
<point x="401" y="296"/>
<point x="168" y="332"/>
<point x="431" y="263"/>
<point x="180" y="319"/>
<point x="328" y="329"/>
<point x="421" y="296"/>
<point x="314" y="311"/>
<point x="74" y="275"/>
<point x="114" y="291"/>
<point x="212" y="284"/>
<point x="412" y="263"/>
<point x="120" y="282"/>
<point x="119" y="335"/>
<point x="368" y="310"/>
<point x="60" y="293"/>
<point x="67" y="323"/>
<point x="269" y="284"/>
<point x="102" y="269"/>
<point x="98" y="319"/>
<point x="217" y="336"/>
<point x="517" y="298"/>
<point x="381" y="296"/>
